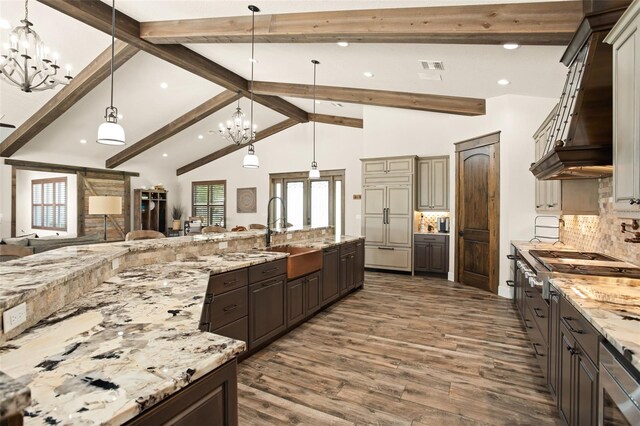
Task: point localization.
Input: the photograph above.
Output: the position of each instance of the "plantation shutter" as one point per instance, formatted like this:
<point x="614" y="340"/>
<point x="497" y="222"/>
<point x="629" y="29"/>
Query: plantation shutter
<point x="49" y="204"/>
<point x="209" y="202"/>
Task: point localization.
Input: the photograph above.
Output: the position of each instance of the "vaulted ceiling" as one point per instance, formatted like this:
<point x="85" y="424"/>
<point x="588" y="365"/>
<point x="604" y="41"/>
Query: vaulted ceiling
<point x="469" y="71"/>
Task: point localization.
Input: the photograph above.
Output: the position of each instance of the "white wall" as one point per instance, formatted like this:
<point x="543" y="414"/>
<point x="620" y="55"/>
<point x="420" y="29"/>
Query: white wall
<point x="23" y="203"/>
<point x="337" y="147"/>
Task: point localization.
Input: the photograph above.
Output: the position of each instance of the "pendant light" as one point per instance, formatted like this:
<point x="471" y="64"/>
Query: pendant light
<point x="250" y="160"/>
<point x="110" y="132"/>
<point x="314" y="173"/>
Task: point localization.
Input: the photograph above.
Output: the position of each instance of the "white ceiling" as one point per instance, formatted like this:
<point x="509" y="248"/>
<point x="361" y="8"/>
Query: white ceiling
<point x="470" y="70"/>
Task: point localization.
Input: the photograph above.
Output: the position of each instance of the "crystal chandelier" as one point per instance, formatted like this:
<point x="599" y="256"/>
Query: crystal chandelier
<point x="26" y="61"/>
<point x="237" y="130"/>
<point x="110" y="132"/>
<point x="314" y="173"/>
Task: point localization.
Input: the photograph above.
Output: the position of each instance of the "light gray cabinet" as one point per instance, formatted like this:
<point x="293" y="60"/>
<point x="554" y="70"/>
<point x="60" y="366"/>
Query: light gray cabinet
<point x="433" y="184"/>
<point x="548" y="192"/>
<point x="625" y="37"/>
<point x="387" y="212"/>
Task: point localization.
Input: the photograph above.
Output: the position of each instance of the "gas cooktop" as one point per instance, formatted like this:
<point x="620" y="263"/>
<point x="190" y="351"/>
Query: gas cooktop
<point x="596" y="264"/>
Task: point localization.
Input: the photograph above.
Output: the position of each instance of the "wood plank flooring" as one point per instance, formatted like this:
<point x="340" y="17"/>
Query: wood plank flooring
<point x="402" y="351"/>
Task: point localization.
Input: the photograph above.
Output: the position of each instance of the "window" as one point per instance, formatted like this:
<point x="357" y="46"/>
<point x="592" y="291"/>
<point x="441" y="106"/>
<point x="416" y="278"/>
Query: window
<point x="49" y="204"/>
<point x="316" y="203"/>
<point x="209" y="202"/>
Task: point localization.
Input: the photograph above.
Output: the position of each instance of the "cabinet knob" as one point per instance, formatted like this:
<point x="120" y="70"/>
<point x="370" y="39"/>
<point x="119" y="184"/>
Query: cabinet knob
<point x="634" y="201"/>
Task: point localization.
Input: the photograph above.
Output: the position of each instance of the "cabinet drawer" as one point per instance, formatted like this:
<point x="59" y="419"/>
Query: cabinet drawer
<point x="584" y="333"/>
<point x="387" y="257"/>
<point x="539" y="310"/>
<point x="537" y="342"/>
<point x="430" y="238"/>
<point x="228" y="307"/>
<point x="385" y="179"/>
<point x="267" y="270"/>
<point x="238" y="330"/>
<point x="347" y="248"/>
<point x="221" y="283"/>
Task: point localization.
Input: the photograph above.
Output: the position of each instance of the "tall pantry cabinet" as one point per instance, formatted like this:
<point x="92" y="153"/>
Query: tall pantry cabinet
<point x="387" y="212"/>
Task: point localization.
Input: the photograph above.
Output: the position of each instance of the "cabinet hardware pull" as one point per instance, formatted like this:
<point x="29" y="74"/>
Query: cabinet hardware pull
<point x="527" y="293"/>
<point x="513" y="257"/>
<point x="510" y="283"/>
<point x="526" y="323"/>
<point x="573" y="330"/>
<point x="266" y="271"/>
<point x="386" y="248"/>
<point x="535" y="349"/>
<point x="230" y="308"/>
<point x="535" y="311"/>
<point x="233" y="281"/>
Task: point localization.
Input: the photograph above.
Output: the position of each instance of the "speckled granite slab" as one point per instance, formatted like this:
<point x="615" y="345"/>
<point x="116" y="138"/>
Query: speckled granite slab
<point x="322" y="243"/>
<point x="130" y="343"/>
<point x="14" y="396"/>
<point x="611" y="305"/>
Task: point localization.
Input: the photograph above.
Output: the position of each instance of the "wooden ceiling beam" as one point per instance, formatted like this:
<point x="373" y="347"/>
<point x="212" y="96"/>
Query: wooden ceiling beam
<point x="92" y="75"/>
<point x="337" y="120"/>
<point x="97" y="14"/>
<point x="270" y="131"/>
<point x="176" y="126"/>
<point x="541" y="23"/>
<point x="417" y="101"/>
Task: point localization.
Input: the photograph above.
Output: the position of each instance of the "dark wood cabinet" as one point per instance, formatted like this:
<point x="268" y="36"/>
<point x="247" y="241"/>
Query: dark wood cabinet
<point x="150" y="210"/>
<point x="565" y="361"/>
<point x="330" y="275"/>
<point x="312" y="296"/>
<point x="359" y="263"/>
<point x="210" y="400"/>
<point x="554" y="340"/>
<point x="267" y="308"/>
<point x="295" y="301"/>
<point x="431" y="253"/>
<point x="586" y="389"/>
<point x="347" y="268"/>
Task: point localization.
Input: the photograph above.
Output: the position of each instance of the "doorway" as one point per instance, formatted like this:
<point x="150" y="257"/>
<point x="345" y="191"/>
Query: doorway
<point x="478" y="212"/>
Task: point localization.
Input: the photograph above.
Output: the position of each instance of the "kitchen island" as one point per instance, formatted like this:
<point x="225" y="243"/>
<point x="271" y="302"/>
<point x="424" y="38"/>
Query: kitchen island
<point x="133" y="342"/>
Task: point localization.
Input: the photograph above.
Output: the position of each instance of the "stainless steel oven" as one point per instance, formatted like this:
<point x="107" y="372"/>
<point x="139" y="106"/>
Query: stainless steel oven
<point x="619" y="391"/>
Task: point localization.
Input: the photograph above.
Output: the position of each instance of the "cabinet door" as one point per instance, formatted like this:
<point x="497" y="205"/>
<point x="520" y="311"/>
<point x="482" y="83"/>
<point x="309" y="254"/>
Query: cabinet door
<point x="400" y="165"/>
<point x="312" y="295"/>
<point x="626" y="117"/>
<point x="554" y="342"/>
<point x="330" y="275"/>
<point x="586" y="390"/>
<point x="440" y="184"/>
<point x="424" y="184"/>
<point x="438" y="258"/>
<point x="399" y="216"/>
<point x="351" y="271"/>
<point x="344" y="274"/>
<point x="359" y="263"/>
<point x="374" y="203"/>
<point x="553" y="195"/>
<point x="295" y="301"/>
<point x="565" y="372"/>
<point x="421" y="256"/>
<point x="267" y="303"/>
<point x="374" y="167"/>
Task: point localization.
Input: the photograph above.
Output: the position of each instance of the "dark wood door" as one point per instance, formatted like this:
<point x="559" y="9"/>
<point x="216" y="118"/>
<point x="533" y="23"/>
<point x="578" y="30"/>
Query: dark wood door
<point x="295" y="301"/>
<point x="477" y="215"/>
<point x="420" y="257"/>
<point x="438" y="258"/>
<point x="586" y="390"/>
<point x="330" y="275"/>
<point x="359" y="263"/>
<point x="565" y="373"/>
<point x="554" y="341"/>
<point x="312" y="296"/>
<point x="267" y="303"/>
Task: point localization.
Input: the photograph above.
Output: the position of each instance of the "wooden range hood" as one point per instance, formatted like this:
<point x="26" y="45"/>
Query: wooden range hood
<point x="580" y="143"/>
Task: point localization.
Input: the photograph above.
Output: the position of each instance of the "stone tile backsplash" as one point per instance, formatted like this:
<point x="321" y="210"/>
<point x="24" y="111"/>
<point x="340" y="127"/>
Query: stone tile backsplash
<point x="601" y="233"/>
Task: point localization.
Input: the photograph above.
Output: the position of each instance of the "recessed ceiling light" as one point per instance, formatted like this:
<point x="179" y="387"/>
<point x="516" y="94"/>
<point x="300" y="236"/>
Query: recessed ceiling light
<point x="83" y="141"/>
<point x="254" y="60"/>
<point x="163" y="85"/>
<point x="120" y="116"/>
<point x="503" y="82"/>
<point x="318" y="102"/>
<point x="200" y="137"/>
<point x="165" y="155"/>
<point x="4" y="24"/>
<point x="343" y="43"/>
<point x="368" y="74"/>
<point x="511" y="46"/>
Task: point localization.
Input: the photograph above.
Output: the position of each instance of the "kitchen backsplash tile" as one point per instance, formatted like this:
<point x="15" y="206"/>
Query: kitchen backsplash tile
<point x="428" y="218"/>
<point x="601" y="233"/>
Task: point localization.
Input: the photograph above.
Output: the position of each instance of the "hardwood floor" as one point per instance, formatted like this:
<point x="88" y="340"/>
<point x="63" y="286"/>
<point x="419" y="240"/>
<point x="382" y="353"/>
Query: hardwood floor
<point x="406" y="351"/>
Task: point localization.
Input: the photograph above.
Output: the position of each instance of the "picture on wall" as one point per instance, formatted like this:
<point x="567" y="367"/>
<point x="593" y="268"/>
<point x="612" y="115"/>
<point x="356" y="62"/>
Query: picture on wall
<point x="247" y="200"/>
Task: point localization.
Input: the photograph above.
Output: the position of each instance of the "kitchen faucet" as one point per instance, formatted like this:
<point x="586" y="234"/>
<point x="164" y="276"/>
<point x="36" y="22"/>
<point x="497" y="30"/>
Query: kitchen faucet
<point x="284" y="211"/>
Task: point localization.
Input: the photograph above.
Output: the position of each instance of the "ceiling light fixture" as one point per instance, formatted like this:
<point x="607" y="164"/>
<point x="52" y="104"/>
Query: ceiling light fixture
<point x="165" y="155"/>
<point x="503" y="82"/>
<point x="110" y="132"/>
<point x="83" y="141"/>
<point x="368" y="74"/>
<point x="26" y="63"/>
<point x="511" y="46"/>
<point x="343" y="43"/>
<point x="200" y="137"/>
<point x="251" y="160"/>
<point x="163" y="85"/>
<point x="314" y="173"/>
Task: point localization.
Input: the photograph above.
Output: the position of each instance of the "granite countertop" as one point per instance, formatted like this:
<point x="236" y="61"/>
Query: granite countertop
<point x="322" y="243"/>
<point x="131" y="342"/>
<point x="15" y="396"/>
<point x="611" y="305"/>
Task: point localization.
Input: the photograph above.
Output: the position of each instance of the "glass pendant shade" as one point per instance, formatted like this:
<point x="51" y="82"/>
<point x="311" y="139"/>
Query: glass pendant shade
<point x="314" y="173"/>
<point x="251" y="160"/>
<point x="110" y="133"/>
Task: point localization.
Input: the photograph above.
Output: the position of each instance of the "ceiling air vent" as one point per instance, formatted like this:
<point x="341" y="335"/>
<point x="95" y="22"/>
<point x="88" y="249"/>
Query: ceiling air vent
<point x="432" y="65"/>
<point x="427" y="76"/>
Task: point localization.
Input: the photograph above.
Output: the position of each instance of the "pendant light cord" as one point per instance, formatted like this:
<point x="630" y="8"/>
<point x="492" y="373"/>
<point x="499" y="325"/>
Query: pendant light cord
<point x="26" y="10"/>
<point x="113" y="38"/>
<point x="315" y="64"/>
<point x="253" y="29"/>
